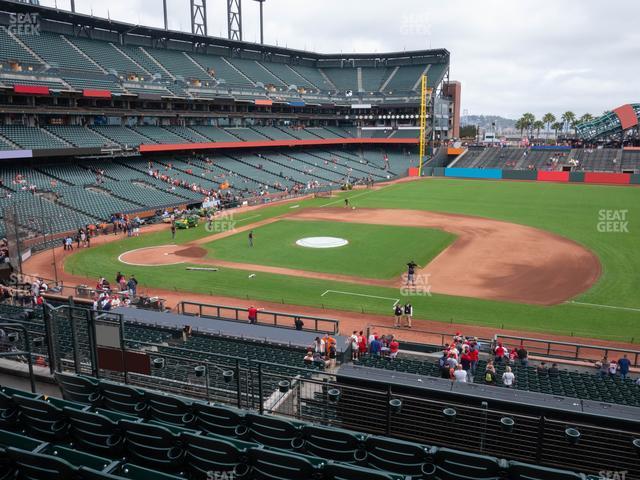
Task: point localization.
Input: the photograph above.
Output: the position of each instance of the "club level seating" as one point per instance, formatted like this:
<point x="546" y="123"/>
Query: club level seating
<point x="405" y="78"/>
<point x="31" y="137"/>
<point x="100" y="83"/>
<point x="138" y="55"/>
<point x="158" y="134"/>
<point x="124" y="136"/>
<point x="256" y="72"/>
<point x="288" y="75"/>
<point x="373" y="78"/>
<point x="343" y="78"/>
<point x="583" y="385"/>
<point x="27" y="80"/>
<point x="179" y="64"/>
<point x="599" y="160"/>
<point x="273" y="133"/>
<point x="79" y="136"/>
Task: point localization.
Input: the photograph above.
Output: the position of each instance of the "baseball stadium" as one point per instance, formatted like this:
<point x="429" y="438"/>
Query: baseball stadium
<point x="225" y="259"/>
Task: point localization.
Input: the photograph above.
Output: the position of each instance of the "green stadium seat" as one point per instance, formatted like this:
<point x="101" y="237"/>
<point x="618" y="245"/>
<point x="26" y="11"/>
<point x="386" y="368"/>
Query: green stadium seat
<point x="123" y="399"/>
<point x="41" y="419"/>
<point x="525" y="471"/>
<point x="127" y="471"/>
<point x="211" y="453"/>
<point x="457" y="465"/>
<point x="78" y="388"/>
<point x="274" y="432"/>
<point x="397" y="456"/>
<point x="219" y="419"/>
<point x="334" y="443"/>
<point x="335" y="471"/>
<point x="169" y="409"/>
<point x="94" y="432"/>
<point x="272" y="465"/>
<point x="153" y="446"/>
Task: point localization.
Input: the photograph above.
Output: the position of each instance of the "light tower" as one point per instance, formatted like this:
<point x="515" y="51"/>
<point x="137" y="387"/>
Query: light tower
<point x="234" y="19"/>
<point x="199" y="17"/>
<point x="261" y="2"/>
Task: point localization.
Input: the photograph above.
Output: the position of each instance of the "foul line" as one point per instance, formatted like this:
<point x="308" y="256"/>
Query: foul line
<point x="396" y="300"/>
<point x="605" y="306"/>
<point x="355" y="196"/>
<point x="246" y="218"/>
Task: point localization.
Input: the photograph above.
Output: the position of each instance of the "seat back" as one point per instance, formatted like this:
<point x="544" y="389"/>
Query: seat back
<point x="8" y="411"/>
<point x="219" y="420"/>
<point x="123" y="399"/>
<point x="10" y="439"/>
<point x="41" y="419"/>
<point x="272" y="465"/>
<point x="525" y="471"/>
<point x="213" y="454"/>
<point x="454" y="465"/>
<point x="334" y="444"/>
<point x="340" y="471"/>
<point x="274" y="432"/>
<point x="126" y="470"/>
<point x="36" y="466"/>
<point x="398" y="456"/>
<point x="78" y="388"/>
<point x="94" y="432"/>
<point x="168" y="409"/>
<point x="152" y="445"/>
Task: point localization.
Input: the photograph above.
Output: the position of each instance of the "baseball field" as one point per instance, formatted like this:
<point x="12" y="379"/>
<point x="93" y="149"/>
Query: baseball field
<point x="528" y="256"/>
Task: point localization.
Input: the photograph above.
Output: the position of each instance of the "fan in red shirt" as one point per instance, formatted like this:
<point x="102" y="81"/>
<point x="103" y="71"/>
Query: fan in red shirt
<point x="394" y="347"/>
<point x="499" y="352"/>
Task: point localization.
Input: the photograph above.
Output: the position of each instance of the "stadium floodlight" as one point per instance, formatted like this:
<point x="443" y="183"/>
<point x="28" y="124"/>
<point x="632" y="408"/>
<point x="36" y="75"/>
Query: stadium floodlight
<point x="261" y="2"/>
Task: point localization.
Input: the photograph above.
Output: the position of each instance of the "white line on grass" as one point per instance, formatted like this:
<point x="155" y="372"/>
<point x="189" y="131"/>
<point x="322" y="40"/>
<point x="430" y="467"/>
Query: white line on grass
<point x="355" y="196"/>
<point x="248" y="218"/>
<point x="396" y="300"/>
<point x="597" y="305"/>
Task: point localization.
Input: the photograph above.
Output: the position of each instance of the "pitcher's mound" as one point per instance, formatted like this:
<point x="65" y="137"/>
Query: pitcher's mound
<point x="162" y="255"/>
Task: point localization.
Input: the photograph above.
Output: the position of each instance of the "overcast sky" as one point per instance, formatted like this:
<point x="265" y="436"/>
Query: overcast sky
<point x="511" y="56"/>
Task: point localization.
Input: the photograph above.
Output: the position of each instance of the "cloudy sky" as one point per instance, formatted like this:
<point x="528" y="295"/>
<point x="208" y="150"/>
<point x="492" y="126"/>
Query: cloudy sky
<point x="511" y="56"/>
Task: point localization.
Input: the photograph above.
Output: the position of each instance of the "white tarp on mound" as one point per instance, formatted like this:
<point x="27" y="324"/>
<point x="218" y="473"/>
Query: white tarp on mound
<point x="322" y="242"/>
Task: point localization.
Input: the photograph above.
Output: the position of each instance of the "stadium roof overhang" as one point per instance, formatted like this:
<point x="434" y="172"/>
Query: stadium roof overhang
<point x="63" y="16"/>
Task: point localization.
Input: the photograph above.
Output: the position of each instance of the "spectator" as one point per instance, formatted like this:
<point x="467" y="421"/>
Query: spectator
<point x="542" y="369"/>
<point x="408" y="314"/>
<point x="445" y="371"/>
<point x="490" y="374"/>
<point x="319" y="346"/>
<point x="460" y="375"/>
<point x="451" y="361"/>
<point x="298" y="323"/>
<point x="499" y="353"/>
<point x="353" y="342"/>
<point x="554" y="371"/>
<point x="624" y="365"/>
<point x="465" y="359"/>
<point x="474" y="353"/>
<point x="132" y="284"/>
<point x="508" y="378"/>
<point x="332" y="351"/>
<point x="603" y="366"/>
<point x="308" y="358"/>
<point x="394" y="348"/>
<point x="374" y="347"/>
<point x="362" y="344"/>
<point x="252" y="314"/>
<point x="523" y="356"/>
<point x="613" y="368"/>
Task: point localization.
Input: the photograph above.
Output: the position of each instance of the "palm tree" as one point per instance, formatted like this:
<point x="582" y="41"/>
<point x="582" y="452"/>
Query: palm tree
<point x="568" y="118"/>
<point x="520" y="126"/>
<point x="537" y="126"/>
<point x="587" y="117"/>
<point x="548" y="119"/>
<point x="557" y="126"/>
<point x="528" y="120"/>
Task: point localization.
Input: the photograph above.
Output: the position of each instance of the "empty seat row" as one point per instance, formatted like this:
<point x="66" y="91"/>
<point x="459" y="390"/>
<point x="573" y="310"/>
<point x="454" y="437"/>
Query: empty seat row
<point x="174" y="429"/>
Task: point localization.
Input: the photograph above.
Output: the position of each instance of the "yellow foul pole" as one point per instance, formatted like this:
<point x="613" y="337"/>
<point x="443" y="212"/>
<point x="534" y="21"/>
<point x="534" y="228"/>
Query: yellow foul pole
<point x="423" y="121"/>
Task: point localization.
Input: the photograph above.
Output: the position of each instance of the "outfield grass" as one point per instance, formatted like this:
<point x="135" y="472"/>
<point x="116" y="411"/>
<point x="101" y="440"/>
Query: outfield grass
<point x="391" y="247"/>
<point x="571" y="210"/>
